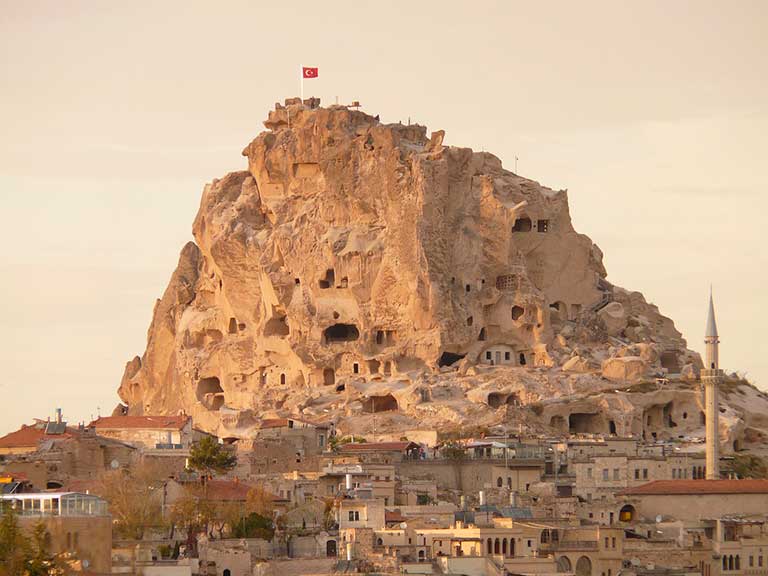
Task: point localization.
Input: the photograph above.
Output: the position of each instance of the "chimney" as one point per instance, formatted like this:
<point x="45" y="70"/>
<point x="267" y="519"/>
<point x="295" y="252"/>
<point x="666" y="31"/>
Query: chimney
<point x="58" y="415"/>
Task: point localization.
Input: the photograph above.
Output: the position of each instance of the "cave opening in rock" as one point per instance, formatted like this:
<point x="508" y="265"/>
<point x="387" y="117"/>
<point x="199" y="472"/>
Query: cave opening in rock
<point x="496" y="399"/>
<point x="329" y="377"/>
<point x="277" y="326"/>
<point x="517" y="312"/>
<point x="669" y="360"/>
<point x="373" y="366"/>
<point x="340" y="388"/>
<point x="584" y="423"/>
<point x="558" y="423"/>
<point x="328" y="280"/>
<point x="210" y="393"/>
<point x="612" y="427"/>
<point x="469" y="321"/>
<point x="522" y="225"/>
<point x="384" y="403"/>
<point x="449" y="358"/>
<point x="341" y="333"/>
<point x="482" y="335"/>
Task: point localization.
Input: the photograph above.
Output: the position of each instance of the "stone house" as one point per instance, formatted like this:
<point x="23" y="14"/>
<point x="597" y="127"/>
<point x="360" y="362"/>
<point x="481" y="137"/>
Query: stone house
<point x="149" y="432"/>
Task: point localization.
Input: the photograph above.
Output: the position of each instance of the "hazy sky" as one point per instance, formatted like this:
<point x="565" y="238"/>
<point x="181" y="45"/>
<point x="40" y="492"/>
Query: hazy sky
<point x="113" y="116"/>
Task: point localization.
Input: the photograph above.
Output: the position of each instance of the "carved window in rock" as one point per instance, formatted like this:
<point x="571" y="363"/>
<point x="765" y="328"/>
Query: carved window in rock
<point x="522" y="225"/>
<point x="506" y="282"/>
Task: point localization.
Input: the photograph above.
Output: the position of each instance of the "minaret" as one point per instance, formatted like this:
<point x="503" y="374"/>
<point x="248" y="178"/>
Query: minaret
<point x="711" y="377"/>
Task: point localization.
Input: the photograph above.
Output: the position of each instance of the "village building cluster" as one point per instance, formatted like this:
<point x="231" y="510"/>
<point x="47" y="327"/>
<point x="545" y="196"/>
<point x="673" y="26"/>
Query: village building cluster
<point x="584" y="504"/>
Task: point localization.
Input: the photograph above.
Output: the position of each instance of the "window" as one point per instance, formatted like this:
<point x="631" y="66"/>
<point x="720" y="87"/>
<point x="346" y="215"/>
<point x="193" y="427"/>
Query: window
<point x="506" y="356"/>
<point x="589" y="472"/>
<point x="499" y="482"/>
<point x="488" y="355"/>
<point x="543" y="226"/>
<point x="674" y="473"/>
<point x="354" y="515"/>
<point x="637" y="473"/>
<point x="751" y="561"/>
<point x="356" y="368"/>
<point x="606" y="541"/>
<point x="615" y="473"/>
<point x="613" y="542"/>
<point x="645" y="473"/>
<point x="605" y="473"/>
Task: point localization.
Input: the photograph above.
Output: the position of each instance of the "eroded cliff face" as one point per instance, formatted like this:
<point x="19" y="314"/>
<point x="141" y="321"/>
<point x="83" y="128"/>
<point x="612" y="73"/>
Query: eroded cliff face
<point x="354" y="256"/>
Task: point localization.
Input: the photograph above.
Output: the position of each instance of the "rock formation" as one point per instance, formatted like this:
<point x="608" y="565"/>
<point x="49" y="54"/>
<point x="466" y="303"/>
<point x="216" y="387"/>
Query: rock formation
<point x="362" y="267"/>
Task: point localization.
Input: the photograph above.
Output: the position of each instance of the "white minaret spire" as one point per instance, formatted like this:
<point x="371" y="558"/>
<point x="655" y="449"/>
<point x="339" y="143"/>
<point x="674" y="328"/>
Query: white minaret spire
<point x="710" y="377"/>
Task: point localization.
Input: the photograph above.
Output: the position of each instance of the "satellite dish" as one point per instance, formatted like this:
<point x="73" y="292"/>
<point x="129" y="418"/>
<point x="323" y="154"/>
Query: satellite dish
<point x="114" y="464"/>
<point x="659" y="518"/>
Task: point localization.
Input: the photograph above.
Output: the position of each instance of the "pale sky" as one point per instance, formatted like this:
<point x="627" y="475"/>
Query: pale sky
<point x="113" y="115"/>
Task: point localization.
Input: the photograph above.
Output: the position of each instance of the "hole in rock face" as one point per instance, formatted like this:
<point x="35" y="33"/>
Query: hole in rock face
<point x="384" y="403"/>
<point x="210" y="393"/>
<point x="670" y="362"/>
<point x="340" y="388"/>
<point x="277" y="326"/>
<point x="558" y="422"/>
<point x="522" y="225"/>
<point x="282" y="378"/>
<point x="586" y="423"/>
<point x="482" y="335"/>
<point x="517" y="312"/>
<point x="341" y="333"/>
<point x="470" y="320"/>
<point x="356" y="368"/>
<point x="232" y="326"/>
<point x="328" y="280"/>
<point x="496" y="399"/>
<point x="448" y="358"/>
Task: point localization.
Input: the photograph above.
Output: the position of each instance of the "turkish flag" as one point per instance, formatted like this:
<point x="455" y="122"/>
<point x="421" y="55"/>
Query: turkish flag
<point x="309" y="72"/>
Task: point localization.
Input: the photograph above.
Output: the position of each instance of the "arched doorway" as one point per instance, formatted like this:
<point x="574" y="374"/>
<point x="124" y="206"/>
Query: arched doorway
<point x="564" y="564"/>
<point x="583" y="566"/>
<point x="504" y="546"/>
<point x="627" y="513"/>
<point x="330" y="548"/>
<point x="490" y="546"/>
<point x="496" y="546"/>
<point x="227" y="572"/>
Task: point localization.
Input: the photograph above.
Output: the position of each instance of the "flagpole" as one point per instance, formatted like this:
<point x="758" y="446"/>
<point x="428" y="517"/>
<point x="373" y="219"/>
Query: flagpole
<point x="301" y="73"/>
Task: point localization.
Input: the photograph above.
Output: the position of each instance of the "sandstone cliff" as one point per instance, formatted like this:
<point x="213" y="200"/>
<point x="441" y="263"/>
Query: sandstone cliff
<point x="361" y="267"/>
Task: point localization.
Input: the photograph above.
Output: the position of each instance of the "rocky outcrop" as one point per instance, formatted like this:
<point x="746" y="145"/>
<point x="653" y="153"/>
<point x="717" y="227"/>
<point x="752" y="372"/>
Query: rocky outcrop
<point x="353" y="261"/>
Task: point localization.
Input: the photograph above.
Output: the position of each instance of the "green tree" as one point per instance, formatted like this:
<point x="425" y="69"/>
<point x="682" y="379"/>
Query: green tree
<point x="15" y="548"/>
<point x="26" y="555"/>
<point x="208" y="456"/>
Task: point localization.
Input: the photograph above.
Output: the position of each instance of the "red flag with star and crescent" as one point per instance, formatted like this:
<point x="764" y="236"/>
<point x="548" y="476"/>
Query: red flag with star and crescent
<point x="309" y="72"/>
